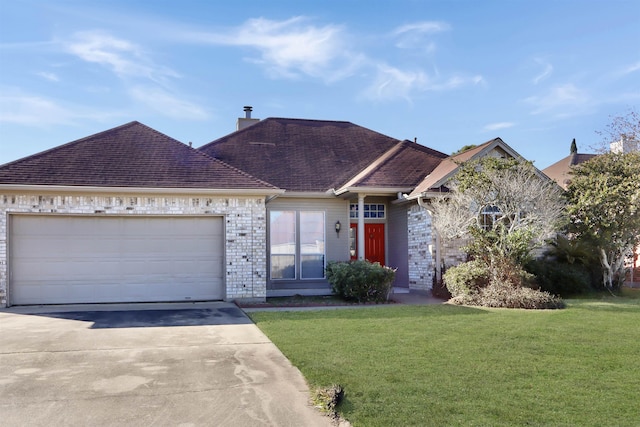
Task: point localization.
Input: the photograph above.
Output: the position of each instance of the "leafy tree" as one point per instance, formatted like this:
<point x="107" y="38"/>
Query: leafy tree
<point x="604" y="209"/>
<point x="464" y="148"/>
<point x="504" y="208"/>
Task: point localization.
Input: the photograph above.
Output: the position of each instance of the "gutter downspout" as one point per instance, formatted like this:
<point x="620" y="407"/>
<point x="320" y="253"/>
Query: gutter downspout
<point x="425" y="206"/>
<point x="268" y="239"/>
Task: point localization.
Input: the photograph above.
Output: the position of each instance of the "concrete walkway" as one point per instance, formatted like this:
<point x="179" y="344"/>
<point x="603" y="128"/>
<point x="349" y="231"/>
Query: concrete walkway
<point x="141" y="365"/>
<point x="404" y="296"/>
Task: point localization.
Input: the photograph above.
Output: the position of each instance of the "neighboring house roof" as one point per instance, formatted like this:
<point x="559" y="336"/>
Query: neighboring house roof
<point x="131" y="155"/>
<point x="320" y="155"/>
<point x="560" y="171"/>
<point x="448" y="167"/>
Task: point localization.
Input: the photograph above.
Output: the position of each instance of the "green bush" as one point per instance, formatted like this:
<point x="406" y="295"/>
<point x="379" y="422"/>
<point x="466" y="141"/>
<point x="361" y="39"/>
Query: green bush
<point x="361" y="280"/>
<point x="560" y="278"/>
<point x="501" y="295"/>
<point x="466" y="278"/>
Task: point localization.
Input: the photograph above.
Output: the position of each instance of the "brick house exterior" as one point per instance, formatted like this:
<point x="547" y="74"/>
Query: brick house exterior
<point x="244" y="258"/>
<point x="262" y="211"/>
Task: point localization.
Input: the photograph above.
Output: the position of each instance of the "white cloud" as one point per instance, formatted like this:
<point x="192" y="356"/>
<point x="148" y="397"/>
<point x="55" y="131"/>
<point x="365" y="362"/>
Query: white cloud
<point x="291" y="48"/>
<point x="146" y="81"/>
<point x="563" y="101"/>
<point x="498" y="126"/>
<point x="124" y="58"/>
<point x="456" y="81"/>
<point x="393" y="83"/>
<point x="32" y="110"/>
<point x="425" y="27"/>
<point x="52" y="77"/>
<point x="546" y="72"/>
<point x="416" y="35"/>
<point x="21" y="108"/>
<point x="167" y="104"/>
<point x="632" y="68"/>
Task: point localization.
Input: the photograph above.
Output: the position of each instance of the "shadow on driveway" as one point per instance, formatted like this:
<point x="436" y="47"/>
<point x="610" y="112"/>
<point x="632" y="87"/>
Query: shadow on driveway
<point x="156" y="318"/>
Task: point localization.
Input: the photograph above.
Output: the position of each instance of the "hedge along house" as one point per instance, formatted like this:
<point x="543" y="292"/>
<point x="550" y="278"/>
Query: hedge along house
<point x="130" y="215"/>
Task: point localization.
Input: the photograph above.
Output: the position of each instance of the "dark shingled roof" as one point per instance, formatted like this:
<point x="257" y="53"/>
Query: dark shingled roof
<point x="303" y="155"/>
<point x="406" y="167"/>
<point x="131" y="155"/>
<point x="448" y="166"/>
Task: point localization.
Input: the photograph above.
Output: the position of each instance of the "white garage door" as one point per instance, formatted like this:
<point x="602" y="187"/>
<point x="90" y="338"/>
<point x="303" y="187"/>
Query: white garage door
<point x="79" y="259"/>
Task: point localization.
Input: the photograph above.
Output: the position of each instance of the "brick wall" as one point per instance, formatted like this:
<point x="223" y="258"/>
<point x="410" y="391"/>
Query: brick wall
<point x="245" y="227"/>
<point x="451" y="252"/>
<point x="421" y="267"/>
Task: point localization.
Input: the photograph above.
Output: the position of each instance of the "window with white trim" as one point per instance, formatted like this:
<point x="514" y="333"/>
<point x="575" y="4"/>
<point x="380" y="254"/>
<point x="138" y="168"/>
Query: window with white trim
<point x="371" y="210"/>
<point x="297" y="245"/>
<point x="488" y="217"/>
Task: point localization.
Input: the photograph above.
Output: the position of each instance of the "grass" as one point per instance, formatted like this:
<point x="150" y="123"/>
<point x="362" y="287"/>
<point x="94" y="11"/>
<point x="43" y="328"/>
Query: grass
<point x="447" y="365"/>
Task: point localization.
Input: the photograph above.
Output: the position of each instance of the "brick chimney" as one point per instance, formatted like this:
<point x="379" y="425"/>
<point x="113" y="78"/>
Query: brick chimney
<point x="246" y="121"/>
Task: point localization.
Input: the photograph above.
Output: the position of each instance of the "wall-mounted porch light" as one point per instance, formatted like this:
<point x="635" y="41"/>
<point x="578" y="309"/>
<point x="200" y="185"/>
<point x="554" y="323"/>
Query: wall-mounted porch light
<point x="338" y="228"/>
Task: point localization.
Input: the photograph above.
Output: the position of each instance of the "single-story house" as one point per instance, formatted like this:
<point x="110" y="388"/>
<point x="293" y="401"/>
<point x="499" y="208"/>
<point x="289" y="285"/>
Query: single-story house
<point x="132" y="215"/>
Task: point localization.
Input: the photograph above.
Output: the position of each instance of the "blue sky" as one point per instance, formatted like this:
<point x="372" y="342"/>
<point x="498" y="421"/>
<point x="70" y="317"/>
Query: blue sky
<point x="449" y="73"/>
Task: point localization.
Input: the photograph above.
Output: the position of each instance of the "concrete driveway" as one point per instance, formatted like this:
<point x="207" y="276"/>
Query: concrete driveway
<point x="167" y="365"/>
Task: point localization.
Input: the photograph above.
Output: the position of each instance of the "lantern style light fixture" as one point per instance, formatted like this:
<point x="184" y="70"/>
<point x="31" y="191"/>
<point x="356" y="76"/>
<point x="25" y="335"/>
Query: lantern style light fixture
<point x="338" y="228"/>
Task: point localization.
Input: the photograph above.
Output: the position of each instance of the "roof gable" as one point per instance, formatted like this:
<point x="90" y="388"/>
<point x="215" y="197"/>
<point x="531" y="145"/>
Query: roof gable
<point x="449" y="166"/>
<point x="404" y="166"/>
<point x="131" y="155"/>
<point x="302" y="155"/>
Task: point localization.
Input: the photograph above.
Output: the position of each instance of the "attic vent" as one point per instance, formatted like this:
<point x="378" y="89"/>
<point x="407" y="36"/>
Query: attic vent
<point x="272" y="144"/>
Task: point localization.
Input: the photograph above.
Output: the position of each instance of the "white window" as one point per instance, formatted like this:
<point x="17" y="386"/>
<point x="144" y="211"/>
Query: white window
<point x="297" y="243"/>
<point x="488" y="217"/>
<point x="371" y="210"/>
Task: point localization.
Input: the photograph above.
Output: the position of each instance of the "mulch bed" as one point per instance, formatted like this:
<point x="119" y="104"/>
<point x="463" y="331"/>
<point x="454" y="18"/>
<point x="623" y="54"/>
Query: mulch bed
<point x="304" y="301"/>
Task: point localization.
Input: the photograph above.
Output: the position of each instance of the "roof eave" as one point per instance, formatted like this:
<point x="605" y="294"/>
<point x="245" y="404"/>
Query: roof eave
<point x="308" y="194"/>
<point x="372" y="191"/>
<point x="139" y="190"/>
<point x="429" y="194"/>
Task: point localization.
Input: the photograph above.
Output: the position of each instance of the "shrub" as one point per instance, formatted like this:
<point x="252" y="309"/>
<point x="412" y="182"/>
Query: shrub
<point x="560" y="278"/>
<point x="466" y="278"/>
<point x="472" y="283"/>
<point x="327" y="399"/>
<point x="361" y="280"/>
<point x="501" y="295"/>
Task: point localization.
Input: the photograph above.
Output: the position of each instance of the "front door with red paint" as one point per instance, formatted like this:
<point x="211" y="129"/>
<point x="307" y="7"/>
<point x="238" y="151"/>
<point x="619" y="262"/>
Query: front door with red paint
<point x="373" y="242"/>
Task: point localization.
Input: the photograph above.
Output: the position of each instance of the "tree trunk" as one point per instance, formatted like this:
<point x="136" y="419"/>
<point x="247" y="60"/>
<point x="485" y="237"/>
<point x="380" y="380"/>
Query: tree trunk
<point x="607" y="276"/>
<point x="614" y="271"/>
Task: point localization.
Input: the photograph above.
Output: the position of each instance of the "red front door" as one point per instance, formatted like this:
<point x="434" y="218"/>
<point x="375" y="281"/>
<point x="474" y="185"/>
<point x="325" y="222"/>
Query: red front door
<point x="373" y="242"/>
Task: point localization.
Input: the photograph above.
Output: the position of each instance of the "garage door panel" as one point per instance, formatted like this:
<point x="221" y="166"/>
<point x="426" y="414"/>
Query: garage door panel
<point x="58" y="259"/>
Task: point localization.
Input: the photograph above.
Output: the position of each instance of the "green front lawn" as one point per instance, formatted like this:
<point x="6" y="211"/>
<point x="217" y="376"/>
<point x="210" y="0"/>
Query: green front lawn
<point x="446" y="365"/>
